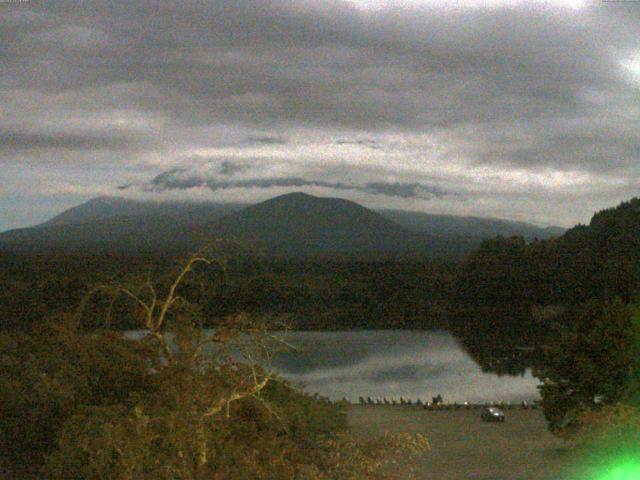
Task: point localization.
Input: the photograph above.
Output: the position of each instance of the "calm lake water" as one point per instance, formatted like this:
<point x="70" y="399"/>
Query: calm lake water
<point x="394" y="363"/>
<point x="407" y="363"/>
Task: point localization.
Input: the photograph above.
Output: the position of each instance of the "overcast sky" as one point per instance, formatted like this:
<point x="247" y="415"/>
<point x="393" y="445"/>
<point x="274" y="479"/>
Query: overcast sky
<point x="520" y="110"/>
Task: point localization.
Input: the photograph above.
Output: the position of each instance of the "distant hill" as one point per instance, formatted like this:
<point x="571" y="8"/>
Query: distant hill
<point x="107" y="208"/>
<point x="116" y="225"/>
<point x="292" y="225"/>
<point x="469" y="226"/>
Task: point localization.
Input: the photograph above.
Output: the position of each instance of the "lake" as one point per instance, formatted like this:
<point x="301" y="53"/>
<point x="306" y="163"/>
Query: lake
<point x="394" y="363"/>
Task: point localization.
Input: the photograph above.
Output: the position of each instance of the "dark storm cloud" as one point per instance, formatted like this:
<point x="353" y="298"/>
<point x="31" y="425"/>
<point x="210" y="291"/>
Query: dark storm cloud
<point x="512" y="88"/>
<point x="328" y="64"/>
<point x="403" y="190"/>
<point x="11" y="140"/>
<point x="181" y="179"/>
<point x="266" y="140"/>
<point x="363" y="142"/>
<point x="229" y="168"/>
<point x="610" y="145"/>
<point x="601" y="150"/>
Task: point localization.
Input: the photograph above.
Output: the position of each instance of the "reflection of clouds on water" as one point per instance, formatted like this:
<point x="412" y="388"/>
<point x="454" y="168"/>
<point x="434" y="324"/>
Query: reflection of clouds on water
<point x="388" y="364"/>
<point x="406" y="372"/>
<point x="392" y="363"/>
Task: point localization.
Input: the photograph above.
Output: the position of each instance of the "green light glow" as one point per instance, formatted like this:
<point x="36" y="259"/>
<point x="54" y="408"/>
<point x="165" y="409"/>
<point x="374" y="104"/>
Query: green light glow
<point x="626" y="469"/>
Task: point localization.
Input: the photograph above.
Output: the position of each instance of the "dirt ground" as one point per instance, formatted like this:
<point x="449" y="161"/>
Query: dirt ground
<point x="465" y="448"/>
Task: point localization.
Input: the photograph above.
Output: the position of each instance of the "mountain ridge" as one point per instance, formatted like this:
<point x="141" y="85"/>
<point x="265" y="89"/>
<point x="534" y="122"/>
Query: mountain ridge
<point x="410" y="219"/>
<point x="294" y="224"/>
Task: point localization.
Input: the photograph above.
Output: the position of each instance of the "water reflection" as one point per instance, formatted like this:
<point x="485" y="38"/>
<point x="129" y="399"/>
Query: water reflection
<point x="411" y="364"/>
<point x="393" y="363"/>
<point x="501" y="339"/>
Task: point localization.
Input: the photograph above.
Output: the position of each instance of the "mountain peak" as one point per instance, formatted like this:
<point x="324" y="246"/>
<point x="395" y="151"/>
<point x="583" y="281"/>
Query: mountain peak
<point x="305" y="208"/>
<point x="299" y="224"/>
<point x="295" y="195"/>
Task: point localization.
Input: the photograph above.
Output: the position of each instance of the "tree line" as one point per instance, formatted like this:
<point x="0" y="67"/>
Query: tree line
<point x="331" y="295"/>
<point x="566" y="307"/>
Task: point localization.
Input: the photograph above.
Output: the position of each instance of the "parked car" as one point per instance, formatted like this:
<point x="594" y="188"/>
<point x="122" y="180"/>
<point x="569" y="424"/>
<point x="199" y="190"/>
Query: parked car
<point x="492" y="414"/>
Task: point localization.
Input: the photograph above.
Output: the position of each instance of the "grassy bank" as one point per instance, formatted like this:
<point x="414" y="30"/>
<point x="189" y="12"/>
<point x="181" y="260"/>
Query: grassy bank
<point x="465" y="448"/>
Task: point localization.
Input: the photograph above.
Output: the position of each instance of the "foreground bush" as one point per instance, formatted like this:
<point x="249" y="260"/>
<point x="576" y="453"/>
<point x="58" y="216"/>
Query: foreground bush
<point x="48" y="373"/>
<point x="177" y="404"/>
<point x="590" y="361"/>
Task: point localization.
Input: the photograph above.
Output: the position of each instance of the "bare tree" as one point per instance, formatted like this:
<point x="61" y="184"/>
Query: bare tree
<point x="239" y="350"/>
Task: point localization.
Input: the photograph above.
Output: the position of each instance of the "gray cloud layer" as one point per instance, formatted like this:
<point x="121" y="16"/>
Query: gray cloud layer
<point x="511" y="106"/>
<point x="182" y="179"/>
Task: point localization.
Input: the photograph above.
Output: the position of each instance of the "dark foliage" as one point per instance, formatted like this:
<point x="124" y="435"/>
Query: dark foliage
<point x="47" y="373"/>
<point x="508" y="294"/>
<point x="308" y="295"/>
<point x="589" y="361"/>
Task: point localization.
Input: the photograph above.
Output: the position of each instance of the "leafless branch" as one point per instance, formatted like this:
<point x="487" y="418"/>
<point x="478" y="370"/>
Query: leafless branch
<point x="235" y="396"/>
